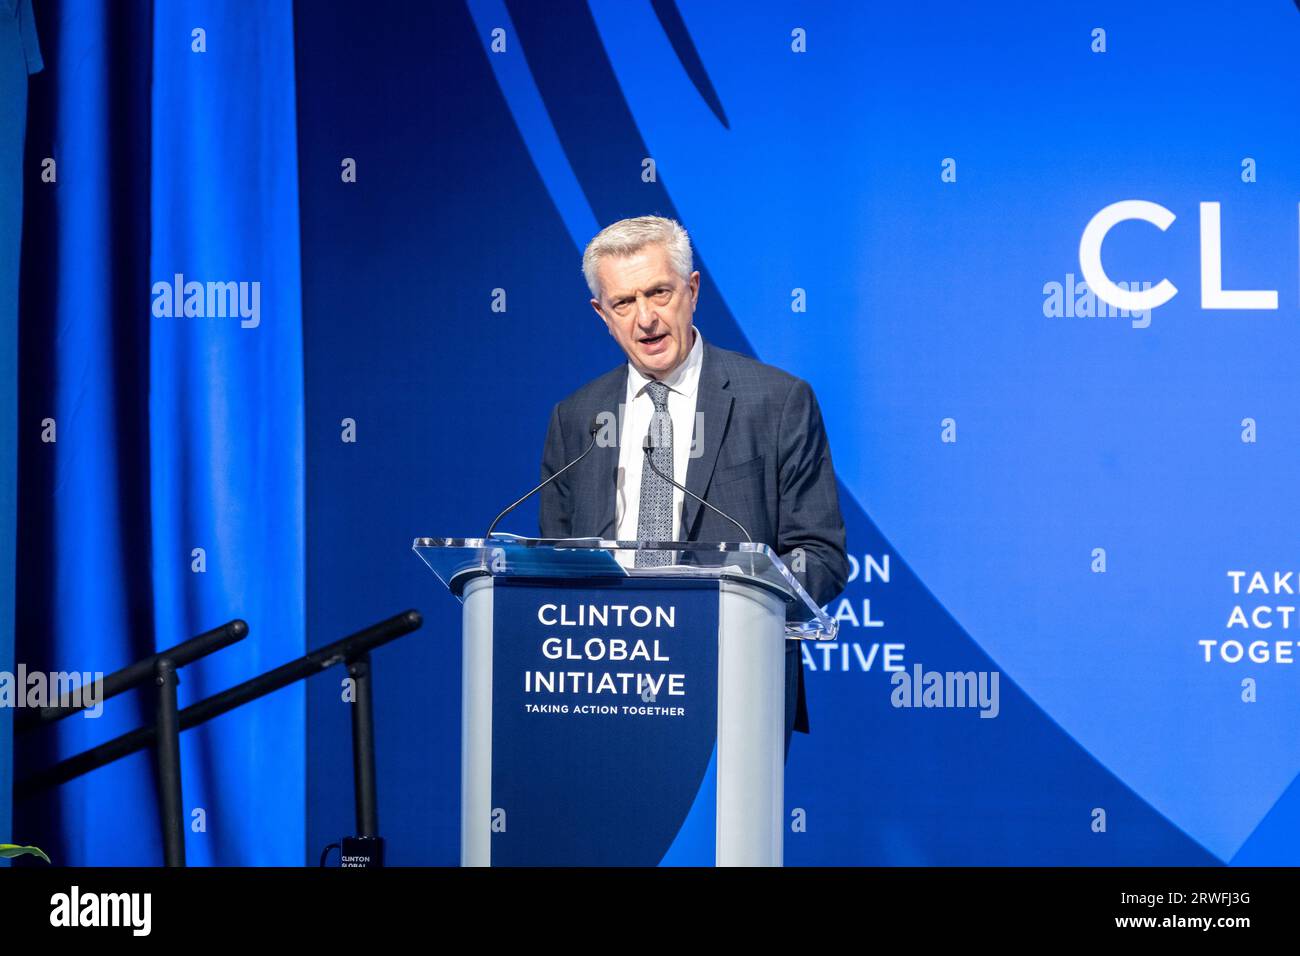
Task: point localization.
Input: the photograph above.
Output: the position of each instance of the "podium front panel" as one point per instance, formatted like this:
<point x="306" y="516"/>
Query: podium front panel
<point x="629" y="721"/>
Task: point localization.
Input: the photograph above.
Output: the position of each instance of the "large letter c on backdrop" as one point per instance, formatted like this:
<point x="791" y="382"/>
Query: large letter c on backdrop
<point x="1090" y="255"/>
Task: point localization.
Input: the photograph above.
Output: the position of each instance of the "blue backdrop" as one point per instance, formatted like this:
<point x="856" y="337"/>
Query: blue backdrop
<point x="924" y="174"/>
<point x="887" y="201"/>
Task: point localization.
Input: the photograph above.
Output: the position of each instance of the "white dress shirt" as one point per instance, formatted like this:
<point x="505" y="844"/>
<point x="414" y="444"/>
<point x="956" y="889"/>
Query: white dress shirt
<point x="638" y="409"/>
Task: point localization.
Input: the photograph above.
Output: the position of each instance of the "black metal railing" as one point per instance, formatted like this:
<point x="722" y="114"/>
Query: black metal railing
<point x="352" y="651"/>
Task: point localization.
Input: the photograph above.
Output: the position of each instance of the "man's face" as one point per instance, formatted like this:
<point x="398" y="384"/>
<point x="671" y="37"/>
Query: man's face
<point x="648" y="308"/>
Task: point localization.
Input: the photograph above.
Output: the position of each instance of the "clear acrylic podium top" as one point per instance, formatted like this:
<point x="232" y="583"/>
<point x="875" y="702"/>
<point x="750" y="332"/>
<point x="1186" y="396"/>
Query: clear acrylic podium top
<point x="456" y="561"/>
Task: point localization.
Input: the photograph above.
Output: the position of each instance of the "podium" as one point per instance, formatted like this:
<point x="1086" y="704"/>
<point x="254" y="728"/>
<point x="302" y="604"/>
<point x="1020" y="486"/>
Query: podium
<point x="622" y="715"/>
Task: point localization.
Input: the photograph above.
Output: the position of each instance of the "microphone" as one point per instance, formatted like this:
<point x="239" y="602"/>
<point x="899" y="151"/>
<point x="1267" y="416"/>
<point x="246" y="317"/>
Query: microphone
<point x="647" y="445"/>
<point x="592" y="428"/>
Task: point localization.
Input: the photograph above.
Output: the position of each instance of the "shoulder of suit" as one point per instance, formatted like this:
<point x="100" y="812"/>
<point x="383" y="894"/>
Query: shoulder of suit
<point x="743" y="370"/>
<point x="596" y="389"/>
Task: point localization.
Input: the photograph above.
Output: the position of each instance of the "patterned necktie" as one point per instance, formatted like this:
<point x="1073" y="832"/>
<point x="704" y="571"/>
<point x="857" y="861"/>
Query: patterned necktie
<point x="655" y="519"/>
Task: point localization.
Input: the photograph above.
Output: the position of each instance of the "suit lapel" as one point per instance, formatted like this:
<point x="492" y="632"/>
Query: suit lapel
<point x="712" y="415"/>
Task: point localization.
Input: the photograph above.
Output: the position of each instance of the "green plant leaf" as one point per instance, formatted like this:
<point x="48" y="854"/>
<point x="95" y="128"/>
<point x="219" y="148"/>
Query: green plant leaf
<point x="9" y="850"/>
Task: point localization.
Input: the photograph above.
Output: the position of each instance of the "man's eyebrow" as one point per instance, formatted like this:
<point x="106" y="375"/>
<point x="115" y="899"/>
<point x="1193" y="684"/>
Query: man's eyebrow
<point x="663" y="284"/>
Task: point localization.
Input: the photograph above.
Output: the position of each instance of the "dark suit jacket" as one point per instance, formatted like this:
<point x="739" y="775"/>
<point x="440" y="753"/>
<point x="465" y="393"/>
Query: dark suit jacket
<point x="764" y="460"/>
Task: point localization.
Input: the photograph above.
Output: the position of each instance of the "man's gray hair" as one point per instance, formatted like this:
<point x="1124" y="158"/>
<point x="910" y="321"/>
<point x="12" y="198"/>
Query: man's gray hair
<point x="629" y="236"/>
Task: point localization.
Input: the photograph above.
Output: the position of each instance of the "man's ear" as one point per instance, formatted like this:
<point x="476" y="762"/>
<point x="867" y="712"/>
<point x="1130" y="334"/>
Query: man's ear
<point x="695" y="289"/>
<point x="595" y="304"/>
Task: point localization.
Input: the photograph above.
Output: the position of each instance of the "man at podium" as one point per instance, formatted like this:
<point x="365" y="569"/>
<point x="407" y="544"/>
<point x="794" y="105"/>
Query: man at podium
<point x="746" y="437"/>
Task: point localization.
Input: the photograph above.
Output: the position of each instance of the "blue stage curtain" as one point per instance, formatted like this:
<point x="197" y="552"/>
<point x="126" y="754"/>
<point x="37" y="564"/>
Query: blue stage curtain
<point x="172" y="499"/>
<point x="19" y="55"/>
